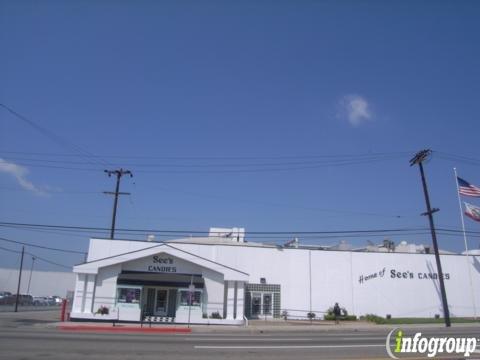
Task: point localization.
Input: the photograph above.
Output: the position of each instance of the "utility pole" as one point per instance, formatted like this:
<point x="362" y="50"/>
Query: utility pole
<point x="118" y="173"/>
<point x="19" y="280"/>
<point x="30" y="277"/>
<point x="418" y="160"/>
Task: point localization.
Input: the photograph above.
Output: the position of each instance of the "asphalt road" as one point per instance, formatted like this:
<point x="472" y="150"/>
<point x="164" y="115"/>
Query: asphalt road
<point x="22" y="338"/>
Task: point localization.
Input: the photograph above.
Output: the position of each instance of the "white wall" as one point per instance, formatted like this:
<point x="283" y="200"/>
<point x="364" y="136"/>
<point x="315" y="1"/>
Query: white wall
<point x="106" y="287"/>
<point x="335" y="277"/>
<point x="43" y="283"/>
<point x="213" y="291"/>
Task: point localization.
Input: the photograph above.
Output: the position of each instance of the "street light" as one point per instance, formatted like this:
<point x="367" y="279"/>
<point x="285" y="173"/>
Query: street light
<point x="30" y="277"/>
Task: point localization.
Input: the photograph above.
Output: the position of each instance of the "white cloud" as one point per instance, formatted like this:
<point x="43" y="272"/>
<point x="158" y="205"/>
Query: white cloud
<point x="355" y="109"/>
<point x="20" y="174"/>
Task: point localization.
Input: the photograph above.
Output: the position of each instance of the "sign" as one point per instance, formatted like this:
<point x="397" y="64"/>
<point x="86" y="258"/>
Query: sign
<point x="162" y="264"/>
<point x="395" y="274"/>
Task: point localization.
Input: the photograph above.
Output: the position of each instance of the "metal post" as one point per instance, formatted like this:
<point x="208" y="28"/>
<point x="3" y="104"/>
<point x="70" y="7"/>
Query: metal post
<point x="466" y="246"/>
<point x="310" y="284"/>
<point x="191" y="289"/>
<point x="19" y="280"/>
<point x="418" y="159"/>
<point x="30" y="277"/>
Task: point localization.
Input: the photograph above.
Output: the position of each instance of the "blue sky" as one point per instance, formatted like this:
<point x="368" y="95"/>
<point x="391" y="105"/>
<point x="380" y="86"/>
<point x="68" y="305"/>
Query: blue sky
<point x="175" y="89"/>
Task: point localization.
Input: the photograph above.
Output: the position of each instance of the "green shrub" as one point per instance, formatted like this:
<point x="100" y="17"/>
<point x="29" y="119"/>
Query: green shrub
<point x="375" y="319"/>
<point x="215" y="315"/>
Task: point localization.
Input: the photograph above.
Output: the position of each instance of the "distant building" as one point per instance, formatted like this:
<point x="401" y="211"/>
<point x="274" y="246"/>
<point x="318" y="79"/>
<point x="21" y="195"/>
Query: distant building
<point x="42" y="283"/>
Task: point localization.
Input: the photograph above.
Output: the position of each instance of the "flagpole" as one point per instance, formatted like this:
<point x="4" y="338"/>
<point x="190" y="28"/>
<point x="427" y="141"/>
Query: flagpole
<point x="466" y="245"/>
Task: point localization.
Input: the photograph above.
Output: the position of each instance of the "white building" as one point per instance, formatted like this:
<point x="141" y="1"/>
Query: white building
<point x="42" y="283"/>
<point x="221" y="279"/>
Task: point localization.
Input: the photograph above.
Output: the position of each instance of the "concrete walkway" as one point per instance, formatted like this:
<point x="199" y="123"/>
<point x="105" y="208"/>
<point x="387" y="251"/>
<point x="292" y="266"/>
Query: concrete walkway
<point x="257" y="327"/>
<point x="50" y="319"/>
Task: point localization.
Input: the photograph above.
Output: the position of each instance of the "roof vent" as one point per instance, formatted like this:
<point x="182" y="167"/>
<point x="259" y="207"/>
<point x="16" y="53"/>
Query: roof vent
<point x="234" y="234"/>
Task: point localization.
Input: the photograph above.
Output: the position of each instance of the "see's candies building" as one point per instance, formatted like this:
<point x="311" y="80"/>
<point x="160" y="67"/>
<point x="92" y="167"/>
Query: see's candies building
<point x="222" y="279"/>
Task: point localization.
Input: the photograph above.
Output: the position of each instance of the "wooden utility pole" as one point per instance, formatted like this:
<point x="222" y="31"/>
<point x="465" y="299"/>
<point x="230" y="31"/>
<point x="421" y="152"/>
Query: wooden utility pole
<point x="118" y="173"/>
<point x="418" y="160"/>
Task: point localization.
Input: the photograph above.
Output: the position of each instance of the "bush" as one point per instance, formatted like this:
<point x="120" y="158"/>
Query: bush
<point x="311" y="315"/>
<point x="375" y="318"/>
<point x="103" y="310"/>
<point x="215" y="315"/>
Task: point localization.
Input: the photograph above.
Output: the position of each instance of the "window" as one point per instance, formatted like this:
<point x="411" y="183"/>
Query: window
<point x="128" y="295"/>
<point x="195" y="296"/>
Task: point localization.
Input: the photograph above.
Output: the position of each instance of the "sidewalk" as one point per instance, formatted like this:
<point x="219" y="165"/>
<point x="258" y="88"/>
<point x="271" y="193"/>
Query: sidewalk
<point x="254" y="327"/>
<point x="121" y="327"/>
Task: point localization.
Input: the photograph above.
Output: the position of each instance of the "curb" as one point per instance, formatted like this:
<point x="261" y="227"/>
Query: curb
<point x="125" y="329"/>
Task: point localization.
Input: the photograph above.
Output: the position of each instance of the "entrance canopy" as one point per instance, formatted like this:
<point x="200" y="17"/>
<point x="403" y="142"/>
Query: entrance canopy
<point x="162" y="259"/>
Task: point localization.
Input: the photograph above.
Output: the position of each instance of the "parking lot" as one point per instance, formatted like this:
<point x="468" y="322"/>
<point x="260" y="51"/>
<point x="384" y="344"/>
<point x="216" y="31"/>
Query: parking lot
<point x="28" y="302"/>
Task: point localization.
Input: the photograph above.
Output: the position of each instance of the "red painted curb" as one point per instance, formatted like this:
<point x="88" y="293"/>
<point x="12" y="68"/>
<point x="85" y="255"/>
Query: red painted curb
<point x="125" y="329"/>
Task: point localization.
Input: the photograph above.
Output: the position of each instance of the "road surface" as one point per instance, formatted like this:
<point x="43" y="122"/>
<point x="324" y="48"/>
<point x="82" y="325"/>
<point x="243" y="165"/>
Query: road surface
<point x="22" y="338"/>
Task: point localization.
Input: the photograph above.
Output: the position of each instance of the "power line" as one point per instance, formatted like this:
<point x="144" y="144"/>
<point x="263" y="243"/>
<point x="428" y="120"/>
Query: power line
<point x="56" y="138"/>
<point x="42" y="247"/>
<point x="211" y="165"/>
<point x="232" y="169"/>
<point x="37" y="257"/>
<point x="283" y="205"/>
<point x="196" y="158"/>
<point x="63" y="232"/>
<point x="457" y="158"/>
<point x="176" y="164"/>
<point x="10" y="250"/>
<point x="50" y="192"/>
<point x="49" y="261"/>
<point x="102" y="229"/>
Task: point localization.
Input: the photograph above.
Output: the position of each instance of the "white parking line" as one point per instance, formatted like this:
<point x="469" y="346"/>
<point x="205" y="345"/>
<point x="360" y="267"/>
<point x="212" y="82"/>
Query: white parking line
<point x="361" y="338"/>
<point x="283" y="347"/>
<point x="253" y="339"/>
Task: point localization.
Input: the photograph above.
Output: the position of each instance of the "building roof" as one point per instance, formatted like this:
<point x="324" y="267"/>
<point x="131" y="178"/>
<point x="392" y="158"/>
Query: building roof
<point x="92" y="267"/>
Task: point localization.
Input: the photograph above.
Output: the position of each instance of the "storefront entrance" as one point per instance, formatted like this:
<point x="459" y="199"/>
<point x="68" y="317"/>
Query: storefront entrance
<point x="262" y="301"/>
<point x="262" y="304"/>
<point x="157" y="302"/>
<point x="159" y="292"/>
<point x="161" y="302"/>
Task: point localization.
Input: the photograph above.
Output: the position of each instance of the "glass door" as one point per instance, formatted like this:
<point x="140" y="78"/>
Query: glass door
<point x="267" y="304"/>
<point x="256" y="304"/>
<point x="161" y="302"/>
<point x="262" y="304"/>
<point x="150" y="302"/>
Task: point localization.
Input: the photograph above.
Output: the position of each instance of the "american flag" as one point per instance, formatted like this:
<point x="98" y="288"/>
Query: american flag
<point x="467" y="189"/>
